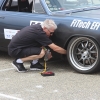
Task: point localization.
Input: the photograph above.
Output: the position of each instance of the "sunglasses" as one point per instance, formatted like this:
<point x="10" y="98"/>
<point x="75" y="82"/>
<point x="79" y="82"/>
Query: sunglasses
<point x="51" y="33"/>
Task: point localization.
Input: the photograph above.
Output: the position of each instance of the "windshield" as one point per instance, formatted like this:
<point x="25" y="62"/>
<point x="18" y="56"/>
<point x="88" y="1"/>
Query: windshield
<point x="58" y="5"/>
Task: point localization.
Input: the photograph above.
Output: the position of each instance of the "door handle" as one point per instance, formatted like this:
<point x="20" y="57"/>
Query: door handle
<point x="2" y="17"/>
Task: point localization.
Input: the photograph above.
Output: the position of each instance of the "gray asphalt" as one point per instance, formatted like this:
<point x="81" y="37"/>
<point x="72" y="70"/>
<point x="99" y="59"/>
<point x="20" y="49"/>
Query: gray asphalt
<point x="67" y="84"/>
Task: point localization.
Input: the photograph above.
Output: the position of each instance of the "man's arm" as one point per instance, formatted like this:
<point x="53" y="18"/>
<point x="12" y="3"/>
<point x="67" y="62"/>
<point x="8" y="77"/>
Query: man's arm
<point x="57" y="49"/>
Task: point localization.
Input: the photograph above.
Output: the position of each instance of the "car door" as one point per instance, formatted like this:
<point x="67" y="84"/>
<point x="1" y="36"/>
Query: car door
<point x="12" y="20"/>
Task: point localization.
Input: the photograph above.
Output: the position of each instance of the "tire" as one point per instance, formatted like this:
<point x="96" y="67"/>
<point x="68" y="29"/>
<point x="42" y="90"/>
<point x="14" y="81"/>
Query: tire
<point x="83" y="55"/>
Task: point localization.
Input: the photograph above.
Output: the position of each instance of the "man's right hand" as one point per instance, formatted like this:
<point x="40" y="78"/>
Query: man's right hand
<point x="48" y="55"/>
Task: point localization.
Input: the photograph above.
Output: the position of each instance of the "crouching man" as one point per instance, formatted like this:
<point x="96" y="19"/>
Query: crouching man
<point x="27" y="45"/>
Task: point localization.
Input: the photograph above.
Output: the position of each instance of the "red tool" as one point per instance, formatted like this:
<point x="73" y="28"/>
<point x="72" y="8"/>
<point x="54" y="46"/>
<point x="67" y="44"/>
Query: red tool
<point x="46" y="58"/>
<point x="47" y="73"/>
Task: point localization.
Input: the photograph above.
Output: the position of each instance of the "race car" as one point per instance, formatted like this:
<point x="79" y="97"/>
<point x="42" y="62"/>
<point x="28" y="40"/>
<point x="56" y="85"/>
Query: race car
<point x="78" y="23"/>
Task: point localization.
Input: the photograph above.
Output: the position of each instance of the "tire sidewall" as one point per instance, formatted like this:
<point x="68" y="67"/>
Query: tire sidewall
<point x="94" y="68"/>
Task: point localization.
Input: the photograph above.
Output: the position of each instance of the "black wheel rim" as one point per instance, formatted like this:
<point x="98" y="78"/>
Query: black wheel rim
<point x="83" y="53"/>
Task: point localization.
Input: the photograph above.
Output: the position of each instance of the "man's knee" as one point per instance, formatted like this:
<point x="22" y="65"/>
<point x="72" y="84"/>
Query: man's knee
<point x="42" y="53"/>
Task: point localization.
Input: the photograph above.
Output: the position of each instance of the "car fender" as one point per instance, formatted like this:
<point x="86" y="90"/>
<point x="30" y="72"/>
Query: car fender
<point x="78" y="35"/>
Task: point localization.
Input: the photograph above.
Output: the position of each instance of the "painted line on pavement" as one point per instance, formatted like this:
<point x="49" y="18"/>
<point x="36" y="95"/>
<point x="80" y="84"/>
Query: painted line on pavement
<point x="6" y="69"/>
<point x="10" y="97"/>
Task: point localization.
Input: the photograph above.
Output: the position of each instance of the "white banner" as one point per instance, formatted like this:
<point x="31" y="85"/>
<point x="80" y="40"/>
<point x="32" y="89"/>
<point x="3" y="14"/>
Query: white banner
<point x="9" y="33"/>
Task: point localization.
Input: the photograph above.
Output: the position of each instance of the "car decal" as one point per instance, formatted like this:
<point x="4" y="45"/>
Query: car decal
<point x="85" y="24"/>
<point x="35" y="22"/>
<point x="9" y="33"/>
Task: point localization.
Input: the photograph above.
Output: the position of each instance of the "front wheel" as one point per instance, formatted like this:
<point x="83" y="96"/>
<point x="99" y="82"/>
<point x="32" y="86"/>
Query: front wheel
<point x="83" y="54"/>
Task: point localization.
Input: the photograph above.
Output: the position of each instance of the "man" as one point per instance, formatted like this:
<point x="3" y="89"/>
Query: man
<point x="28" y="43"/>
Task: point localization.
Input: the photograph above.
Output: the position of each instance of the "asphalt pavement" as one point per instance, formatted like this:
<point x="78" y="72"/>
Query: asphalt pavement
<point x="67" y="84"/>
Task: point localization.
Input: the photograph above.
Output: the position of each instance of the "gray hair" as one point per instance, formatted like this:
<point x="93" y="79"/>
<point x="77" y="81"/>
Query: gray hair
<point x="48" y="23"/>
